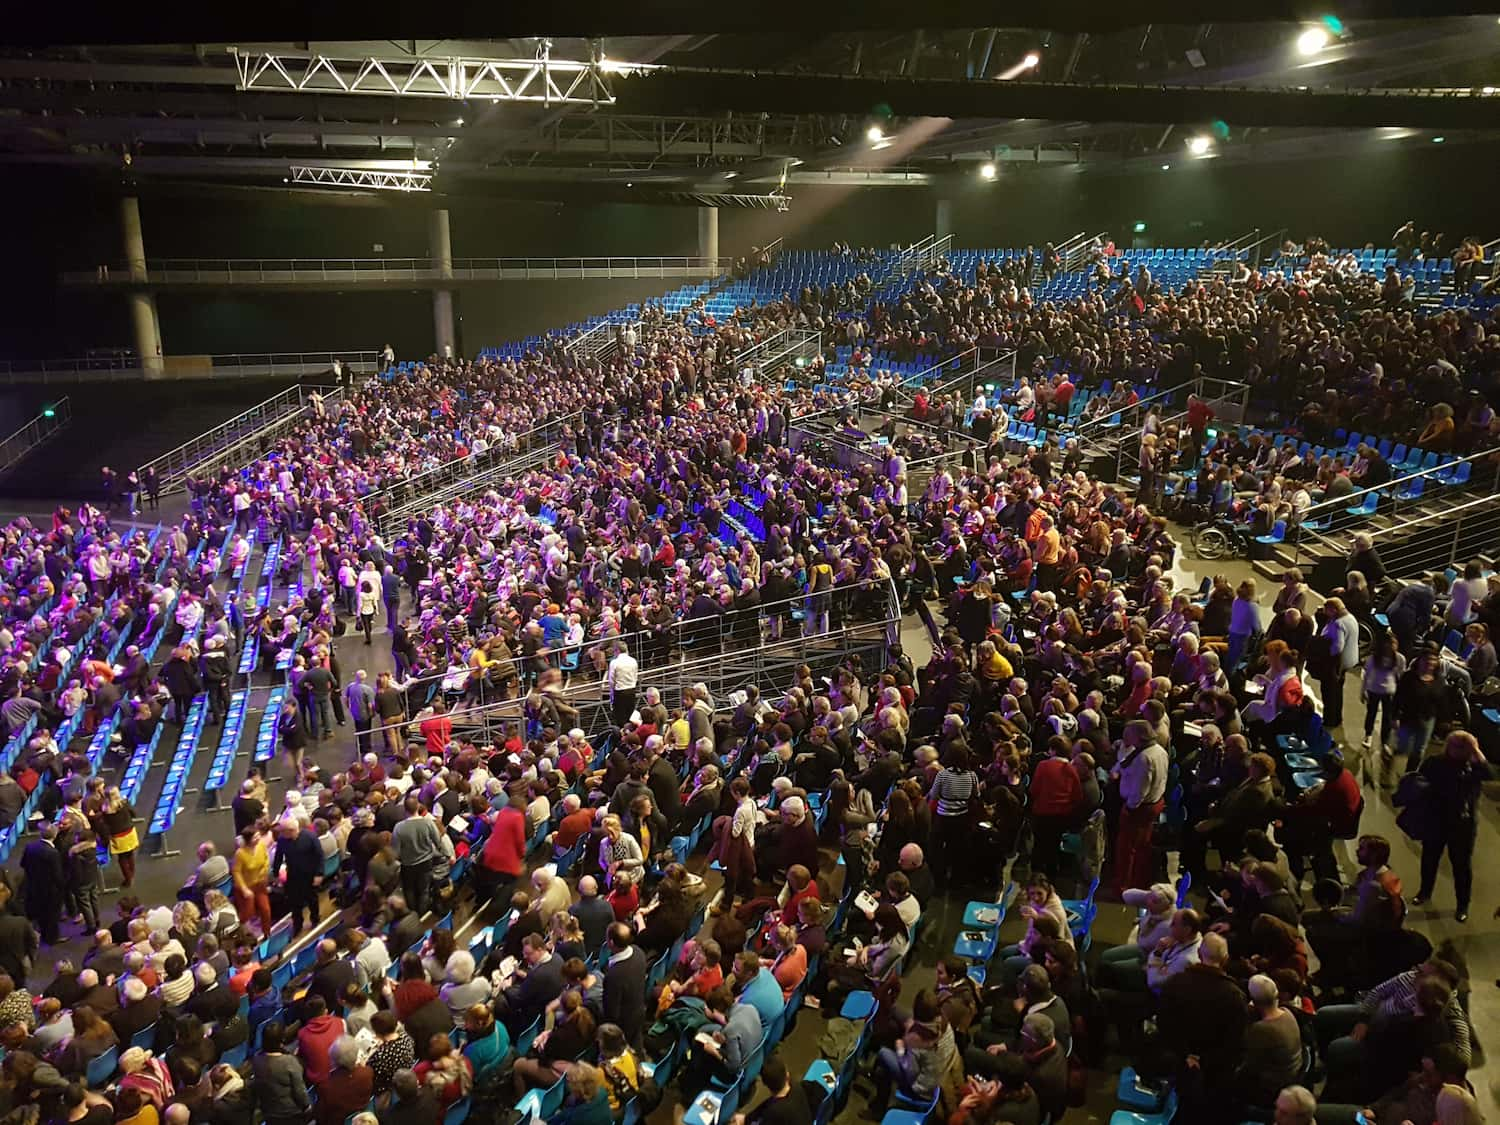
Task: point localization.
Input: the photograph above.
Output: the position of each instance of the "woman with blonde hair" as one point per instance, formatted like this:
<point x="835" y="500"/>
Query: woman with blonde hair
<point x="118" y="819"/>
<point x="187" y="920"/>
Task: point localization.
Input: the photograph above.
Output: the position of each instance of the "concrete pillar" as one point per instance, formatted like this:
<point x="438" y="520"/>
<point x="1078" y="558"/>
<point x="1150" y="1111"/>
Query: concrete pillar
<point x="146" y="327"/>
<point x="440" y="246"/>
<point x="708" y="232"/>
<point x="943" y="221"/>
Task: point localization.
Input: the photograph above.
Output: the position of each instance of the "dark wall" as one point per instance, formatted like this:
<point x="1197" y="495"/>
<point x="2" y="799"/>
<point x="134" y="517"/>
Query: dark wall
<point x="218" y="323"/>
<point x="61" y="222"/>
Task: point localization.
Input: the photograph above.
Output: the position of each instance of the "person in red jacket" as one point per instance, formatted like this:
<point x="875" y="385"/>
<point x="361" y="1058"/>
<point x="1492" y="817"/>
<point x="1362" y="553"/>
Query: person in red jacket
<point x="1056" y="795"/>
<point x="503" y="856"/>
<point x="1326" y="812"/>
<point x="316" y="1039"/>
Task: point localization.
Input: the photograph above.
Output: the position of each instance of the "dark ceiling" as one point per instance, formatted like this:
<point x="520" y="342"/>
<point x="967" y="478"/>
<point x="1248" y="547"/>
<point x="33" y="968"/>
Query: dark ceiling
<point x="717" y="109"/>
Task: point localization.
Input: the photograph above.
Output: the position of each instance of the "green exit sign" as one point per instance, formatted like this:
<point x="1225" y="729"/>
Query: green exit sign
<point x="1140" y="228"/>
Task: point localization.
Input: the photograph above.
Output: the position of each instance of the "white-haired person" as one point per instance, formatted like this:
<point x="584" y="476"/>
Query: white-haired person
<point x="462" y="987"/>
<point x="1271" y="1051"/>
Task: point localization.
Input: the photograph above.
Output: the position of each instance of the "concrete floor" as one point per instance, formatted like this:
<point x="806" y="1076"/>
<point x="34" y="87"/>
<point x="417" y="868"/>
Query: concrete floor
<point x="1479" y="940"/>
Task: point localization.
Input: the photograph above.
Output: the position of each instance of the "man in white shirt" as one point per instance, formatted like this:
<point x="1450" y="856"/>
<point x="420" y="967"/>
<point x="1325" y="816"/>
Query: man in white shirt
<point x="1142" y="773"/>
<point x="621" y="678"/>
<point x="1175" y="951"/>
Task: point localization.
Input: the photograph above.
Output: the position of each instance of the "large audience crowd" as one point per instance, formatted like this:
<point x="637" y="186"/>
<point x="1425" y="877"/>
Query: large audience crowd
<point x="1080" y="719"/>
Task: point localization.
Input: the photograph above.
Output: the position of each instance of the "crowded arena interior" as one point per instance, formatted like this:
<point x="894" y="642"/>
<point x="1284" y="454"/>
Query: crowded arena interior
<point x="936" y="574"/>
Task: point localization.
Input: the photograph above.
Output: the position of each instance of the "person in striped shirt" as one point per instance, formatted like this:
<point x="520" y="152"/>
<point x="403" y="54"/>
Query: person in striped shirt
<point x="954" y="789"/>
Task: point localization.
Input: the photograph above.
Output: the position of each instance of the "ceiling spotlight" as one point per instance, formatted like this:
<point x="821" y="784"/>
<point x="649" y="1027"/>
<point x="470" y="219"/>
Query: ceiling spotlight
<point x="1438" y="140"/>
<point x="460" y="121"/>
<point x="1166" y="167"/>
<point x="987" y="170"/>
<point x="730" y="175"/>
<point x="1311" y="41"/>
<point x="874" y="134"/>
<point x="1032" y="59"/>
<point x="1199" y="145"/>
<point x="1488" y="90"/>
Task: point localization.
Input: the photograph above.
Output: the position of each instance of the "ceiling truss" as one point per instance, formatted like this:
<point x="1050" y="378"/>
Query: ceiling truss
<point x="542" y="80"/>
<point x="362" y="178"/>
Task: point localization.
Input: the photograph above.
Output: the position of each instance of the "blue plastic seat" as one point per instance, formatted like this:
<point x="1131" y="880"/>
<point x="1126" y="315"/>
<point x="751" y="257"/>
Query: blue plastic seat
<point x="1136" y="1094"/>
<point x="1164" y="1116"/>
<point x="1278" y="534"/>
<point x="102" y="1068"/>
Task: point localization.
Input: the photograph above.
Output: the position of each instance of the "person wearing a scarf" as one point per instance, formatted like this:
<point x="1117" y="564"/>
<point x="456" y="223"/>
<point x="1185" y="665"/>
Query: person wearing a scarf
<point x="144" y="1072"/>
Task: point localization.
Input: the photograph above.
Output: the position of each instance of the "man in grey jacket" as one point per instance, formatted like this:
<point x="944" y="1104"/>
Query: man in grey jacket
<point x="359" y="696"/>
<point x="417" y="840"/>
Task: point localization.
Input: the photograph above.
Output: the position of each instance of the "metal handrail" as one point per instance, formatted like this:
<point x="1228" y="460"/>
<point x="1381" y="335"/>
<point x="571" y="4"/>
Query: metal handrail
<point x="1086" y="429"/>
<point x="167" y="270"/>
<point x="793" y="337"/>
<point x="640" y="639"/>
<point x="1402" y="559"/>
<point x="722" y="672"/>
<point x="392" y="522"/>
<point x="129" y="363"/>
<point x="15" y="447"/>
<point x="436" y="485"/>
<point x="232" y="456"/>
<point x="1354" y="499"/>
<point x="175" y="463"/>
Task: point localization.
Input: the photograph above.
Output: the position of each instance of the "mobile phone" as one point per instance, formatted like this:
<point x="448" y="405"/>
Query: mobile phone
<point x="1361" y="1119"/>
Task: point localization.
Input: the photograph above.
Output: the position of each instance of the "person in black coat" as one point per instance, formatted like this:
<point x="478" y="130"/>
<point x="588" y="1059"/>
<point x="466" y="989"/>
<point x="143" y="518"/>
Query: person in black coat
<point x="1454" y="780"/>
<point x="180" y="678"/>
<point x="332" y="974"/>
<point x="293" y="737"/>
<point x="666" y="791"/>
<point x="625" y="984"/>
<point x="45" y="880"/>
<point x="525" y="1000"/>
<point x="298" y="850"/>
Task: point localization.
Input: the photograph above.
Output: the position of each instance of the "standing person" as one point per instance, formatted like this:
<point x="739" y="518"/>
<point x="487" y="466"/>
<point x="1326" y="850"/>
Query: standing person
<point x="1342" y="636"/>
<point x="417" y="841"/>
<point x="359" y="697"/>
<point x="182" y="680"/>
<point x="954" y="789"/>
<point x="298" y="850"/>
<point x="251" y="873"/>
<point x="215" y="672"/>
<point x="390" y="708"/>
<point x="1056" y="795"/>
<point x="317" y="681"/>
<point x="293" y="738"/>
<point x="118" y="817"/>
<point x="621" y="677"/>
<point x="1454" y="779"/>
<point x="390" y="593"/>
<point x="819" y="597"/>
<point x="46" y="876"/>
<point x="151" y="486"/>
<point x="277" y="1080"/>
<point x="734" y="846"/>
<point x="1383" y="671"/>
<point x="368" y="598"/>
<point x="1244" y="623"/>
<point x="1142" y="775"/>
<point x="1420" y="695"/>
